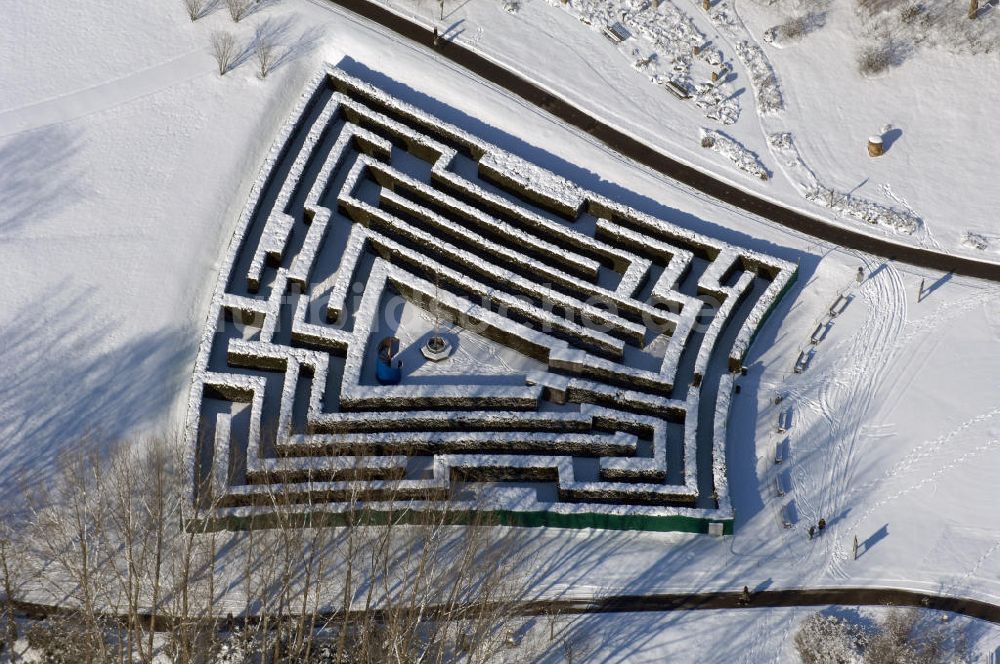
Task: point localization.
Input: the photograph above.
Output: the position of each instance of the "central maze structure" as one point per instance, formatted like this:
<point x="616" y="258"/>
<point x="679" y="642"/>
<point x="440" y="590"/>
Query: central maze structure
<point x="594" y="347"/>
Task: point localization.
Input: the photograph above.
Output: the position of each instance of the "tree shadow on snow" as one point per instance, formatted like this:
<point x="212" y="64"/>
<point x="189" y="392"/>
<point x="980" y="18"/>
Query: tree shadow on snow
<point x="56" y="392"/>
<point x="279" y="33"/>
<point x="38" y="177"/>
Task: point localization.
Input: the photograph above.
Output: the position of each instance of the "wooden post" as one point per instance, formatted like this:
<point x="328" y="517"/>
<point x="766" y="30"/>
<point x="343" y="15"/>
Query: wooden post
<point x="875" y="148"/>
<point x="973" y="9"/>
<point x="707" y="4"/>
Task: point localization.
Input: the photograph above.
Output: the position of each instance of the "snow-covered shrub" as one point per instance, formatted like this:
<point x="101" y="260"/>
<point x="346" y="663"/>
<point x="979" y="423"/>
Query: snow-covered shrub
<point x="790" y="30"/>
<point x="872" y="7"/>
<point x="744" y="159"/>
<point x="826" y="639"/>
<point x="874" y="59"/>
<point x="908" y="635"/>
<point x="794" y="28"/>
<point x="912" y="13"/>
<point x="63" y="641"/>
<point x="900" y="636"/>
<point x="765" y="82"/>
<point x="976" y="241"/>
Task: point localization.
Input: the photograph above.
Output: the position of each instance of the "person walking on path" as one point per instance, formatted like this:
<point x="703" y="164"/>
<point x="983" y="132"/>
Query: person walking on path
<point x="812" y="531"/>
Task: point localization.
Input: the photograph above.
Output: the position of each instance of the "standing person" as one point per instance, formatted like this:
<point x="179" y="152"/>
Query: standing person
<point x="745" y="596"/>
<point x="435" y="36"/>
<point x="812" y="531"/>
<point x="822" y="526"/>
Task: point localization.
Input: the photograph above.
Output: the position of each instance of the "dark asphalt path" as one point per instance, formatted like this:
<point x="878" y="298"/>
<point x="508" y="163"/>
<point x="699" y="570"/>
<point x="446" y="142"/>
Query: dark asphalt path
<point x="643" y="154"/>
<point x="768" y="598"/>
<point x="803" y="597"/>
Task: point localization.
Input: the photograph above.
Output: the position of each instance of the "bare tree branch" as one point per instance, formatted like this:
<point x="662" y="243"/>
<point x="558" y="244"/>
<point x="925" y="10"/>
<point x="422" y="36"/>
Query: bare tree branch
<point x="265" y="49"/>
<point x="195" y="8"/>
<point x="224" y="50"/>
<point x="239" y="9"/>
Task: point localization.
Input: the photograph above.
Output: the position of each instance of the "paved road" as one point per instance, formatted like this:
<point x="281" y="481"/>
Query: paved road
<point x="769" y="598"/>
<point x="643" y="603"/>
<point x="643" y="154"/>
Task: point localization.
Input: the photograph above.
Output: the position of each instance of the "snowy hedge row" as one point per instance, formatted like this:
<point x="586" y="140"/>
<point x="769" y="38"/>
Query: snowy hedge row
<point x="413" y="229"/>
<point x="279" y="224"/>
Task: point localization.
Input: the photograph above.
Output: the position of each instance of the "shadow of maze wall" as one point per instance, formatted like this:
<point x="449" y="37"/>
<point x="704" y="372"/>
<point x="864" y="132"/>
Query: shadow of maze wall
<point x="611" y="336"/>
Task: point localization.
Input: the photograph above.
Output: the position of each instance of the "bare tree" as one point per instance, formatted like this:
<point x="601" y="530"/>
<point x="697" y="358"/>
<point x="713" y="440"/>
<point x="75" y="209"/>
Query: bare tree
<point x="239" y="9"/>
<point x="224" y="50"/>
<point x="69" y="525"/>
<point x="195" y="8"/>
<point x="377" y="577"/>
<point x="13" y="568"/>
<point x="265" y="49"/>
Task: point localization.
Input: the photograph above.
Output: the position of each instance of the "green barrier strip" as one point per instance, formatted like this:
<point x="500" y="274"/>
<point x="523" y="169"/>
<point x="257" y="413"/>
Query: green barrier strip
<point x="668" y="523"/>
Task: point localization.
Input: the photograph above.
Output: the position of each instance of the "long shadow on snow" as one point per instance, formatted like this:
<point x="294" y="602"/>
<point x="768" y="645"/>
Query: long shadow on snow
<point x="56" y="393"/>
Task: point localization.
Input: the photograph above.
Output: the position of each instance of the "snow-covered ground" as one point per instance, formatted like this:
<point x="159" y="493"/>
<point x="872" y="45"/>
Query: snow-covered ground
<point x="932" y="110"/>
<point x="746" y="636"/>
<point x="125" y="159"/>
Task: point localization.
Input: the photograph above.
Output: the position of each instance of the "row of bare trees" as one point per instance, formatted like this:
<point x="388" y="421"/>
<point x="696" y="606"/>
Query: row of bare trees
<point x="228" y="54"/>
<point x="238" y="9"/>
<point x="139" y="574"/>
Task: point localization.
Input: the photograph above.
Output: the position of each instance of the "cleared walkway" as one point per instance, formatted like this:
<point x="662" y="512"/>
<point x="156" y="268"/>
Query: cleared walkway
<point x="623" y="604"/>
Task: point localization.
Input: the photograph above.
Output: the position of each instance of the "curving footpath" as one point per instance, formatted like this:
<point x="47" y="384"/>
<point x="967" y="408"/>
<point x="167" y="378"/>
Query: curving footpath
<point x="643" y="154"/>
<point x="609" y="604"/>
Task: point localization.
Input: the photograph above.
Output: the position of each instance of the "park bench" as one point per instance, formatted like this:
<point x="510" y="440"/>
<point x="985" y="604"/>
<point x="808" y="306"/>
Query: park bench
<point x="677" y="90"/>
<point x="617" y="33"/>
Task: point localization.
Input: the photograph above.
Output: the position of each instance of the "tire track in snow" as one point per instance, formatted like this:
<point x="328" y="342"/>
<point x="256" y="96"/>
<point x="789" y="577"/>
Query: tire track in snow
<point x="841" y="551"/>
<point x="103" y="96"/>
<point x="840" y="547"/>
<point x="845" y="403"/>
<point x="925" y="450"/>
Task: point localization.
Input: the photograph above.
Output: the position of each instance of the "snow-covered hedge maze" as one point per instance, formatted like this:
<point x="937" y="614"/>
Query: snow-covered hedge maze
<point x="587" y="337"/>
